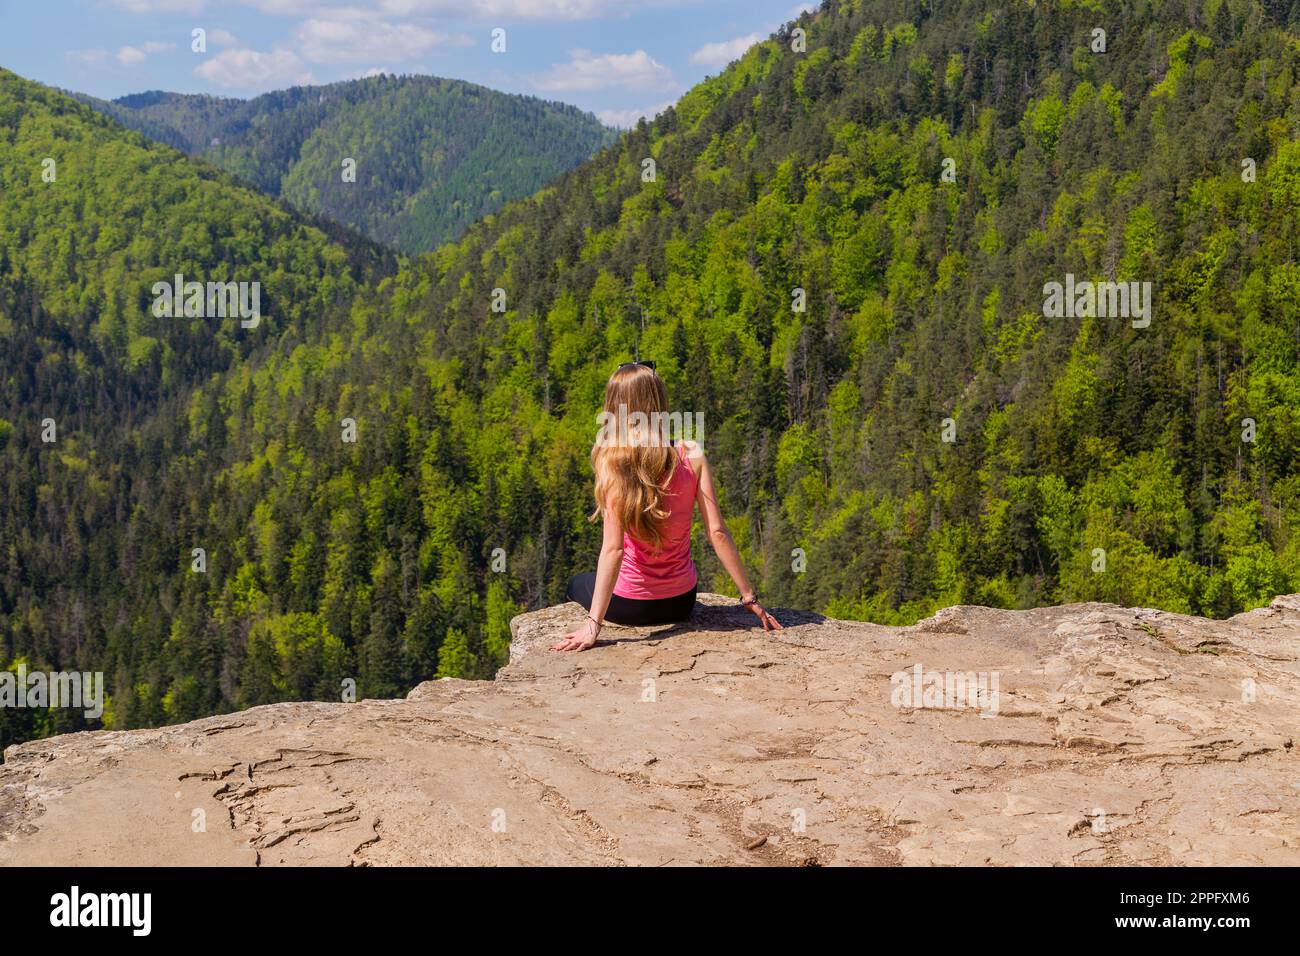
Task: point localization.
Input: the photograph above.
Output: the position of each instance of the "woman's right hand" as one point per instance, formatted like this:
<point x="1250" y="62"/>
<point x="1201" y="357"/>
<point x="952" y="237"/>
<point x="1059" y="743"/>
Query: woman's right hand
<point x="767" y="620"/>
<point x="580" y="640"/>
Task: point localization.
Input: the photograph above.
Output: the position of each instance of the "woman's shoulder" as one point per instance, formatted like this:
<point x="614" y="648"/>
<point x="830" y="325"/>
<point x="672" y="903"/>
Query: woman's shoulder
<point x="693" y="451"/>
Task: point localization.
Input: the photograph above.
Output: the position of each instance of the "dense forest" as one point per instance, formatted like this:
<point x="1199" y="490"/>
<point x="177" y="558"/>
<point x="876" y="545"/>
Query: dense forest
<point x="836" y="251"/>
<point x="432" y="156"/>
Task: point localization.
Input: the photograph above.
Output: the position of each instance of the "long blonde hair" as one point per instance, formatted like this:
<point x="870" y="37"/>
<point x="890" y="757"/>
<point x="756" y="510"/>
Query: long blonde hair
<point x="634" y="467"/>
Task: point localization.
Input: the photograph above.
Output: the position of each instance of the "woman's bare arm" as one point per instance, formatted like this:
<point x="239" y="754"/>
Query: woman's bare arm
<point x="720" y="537"/>
<point x="611" y="559"/>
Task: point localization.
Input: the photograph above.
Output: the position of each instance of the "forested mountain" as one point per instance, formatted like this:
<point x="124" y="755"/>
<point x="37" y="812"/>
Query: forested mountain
<point x="927" y="431"/>
<point x="95" y="388"/>
<point x="431" y="155"/>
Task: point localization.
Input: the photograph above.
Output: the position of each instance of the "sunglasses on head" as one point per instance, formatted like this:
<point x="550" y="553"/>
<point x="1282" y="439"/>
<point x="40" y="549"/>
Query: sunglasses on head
<point x="648" y="364"/>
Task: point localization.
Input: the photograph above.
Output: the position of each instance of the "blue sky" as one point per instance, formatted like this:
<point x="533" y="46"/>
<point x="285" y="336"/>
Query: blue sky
<point x="618" y="58"/>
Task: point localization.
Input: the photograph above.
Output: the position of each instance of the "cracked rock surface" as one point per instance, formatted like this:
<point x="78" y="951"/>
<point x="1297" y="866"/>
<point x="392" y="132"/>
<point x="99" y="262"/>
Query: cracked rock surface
<point x="1115" y="737"/>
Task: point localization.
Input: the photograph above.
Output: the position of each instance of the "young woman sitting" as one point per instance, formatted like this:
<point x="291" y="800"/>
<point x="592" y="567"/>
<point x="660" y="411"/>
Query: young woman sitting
<point x="647" y="488"/>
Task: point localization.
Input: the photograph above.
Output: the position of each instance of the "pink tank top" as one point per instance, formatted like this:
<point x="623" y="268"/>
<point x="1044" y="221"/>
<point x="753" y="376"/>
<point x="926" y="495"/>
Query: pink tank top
<point x="647" y="574"/>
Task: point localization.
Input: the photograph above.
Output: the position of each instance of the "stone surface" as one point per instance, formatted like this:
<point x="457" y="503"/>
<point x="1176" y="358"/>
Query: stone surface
<point x="1120" y="736"/>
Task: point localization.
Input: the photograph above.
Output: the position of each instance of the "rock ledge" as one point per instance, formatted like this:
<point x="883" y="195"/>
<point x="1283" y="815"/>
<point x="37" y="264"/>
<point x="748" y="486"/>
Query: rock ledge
<point x="1105" y="736"/>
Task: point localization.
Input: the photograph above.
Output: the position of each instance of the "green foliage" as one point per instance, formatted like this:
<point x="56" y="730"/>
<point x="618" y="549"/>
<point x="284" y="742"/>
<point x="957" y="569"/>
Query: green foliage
<point x="455" y="658"/>
<point x="1181" y="52"/>
<point x="1046" y="117"/>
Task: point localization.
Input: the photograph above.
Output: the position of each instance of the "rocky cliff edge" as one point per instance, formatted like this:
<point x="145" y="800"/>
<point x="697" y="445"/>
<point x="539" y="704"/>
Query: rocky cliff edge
<point x="1087" y="734"/>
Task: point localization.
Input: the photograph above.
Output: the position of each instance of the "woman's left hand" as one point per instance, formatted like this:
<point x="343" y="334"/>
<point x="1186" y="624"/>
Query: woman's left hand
<point x="764" y="617"/>
<point x="579" y="640"/>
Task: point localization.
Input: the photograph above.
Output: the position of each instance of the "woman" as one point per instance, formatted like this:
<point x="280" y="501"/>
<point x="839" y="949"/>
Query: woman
<point x="646" y="491"/>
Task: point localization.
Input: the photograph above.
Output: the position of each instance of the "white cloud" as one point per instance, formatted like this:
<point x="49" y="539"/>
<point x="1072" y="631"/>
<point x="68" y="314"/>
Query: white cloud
<point x="561" y="10"/>
<point x="87" y="56"/>
<point x="513" y="9"/>
<point x="626" y="119"/>
<point x="352" y="38"/>
<point x="595" y="71"/>
<point x="274" y="7"/>
<point x="253" y="70"/>
<point x="125" y="56"/>
<point x="720" y="54"/>
<point x="291" y="8"/>
<point x="219" y="37"/>
<point x="160" y="6"/>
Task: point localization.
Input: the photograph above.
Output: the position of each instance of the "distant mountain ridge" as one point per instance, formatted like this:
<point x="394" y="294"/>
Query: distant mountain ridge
<point x="431" y="155"/>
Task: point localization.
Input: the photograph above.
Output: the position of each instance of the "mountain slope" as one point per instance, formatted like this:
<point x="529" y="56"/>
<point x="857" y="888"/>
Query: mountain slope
<point x="87" y="227"/>
<point x="431" y="155"/>
<point x="96" y="387"/>
<point x="1092" y="459"/>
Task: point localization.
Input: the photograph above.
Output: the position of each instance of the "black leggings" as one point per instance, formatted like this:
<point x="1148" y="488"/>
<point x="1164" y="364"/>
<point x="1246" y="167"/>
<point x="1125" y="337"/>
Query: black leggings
<point x="630" y="611"/>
